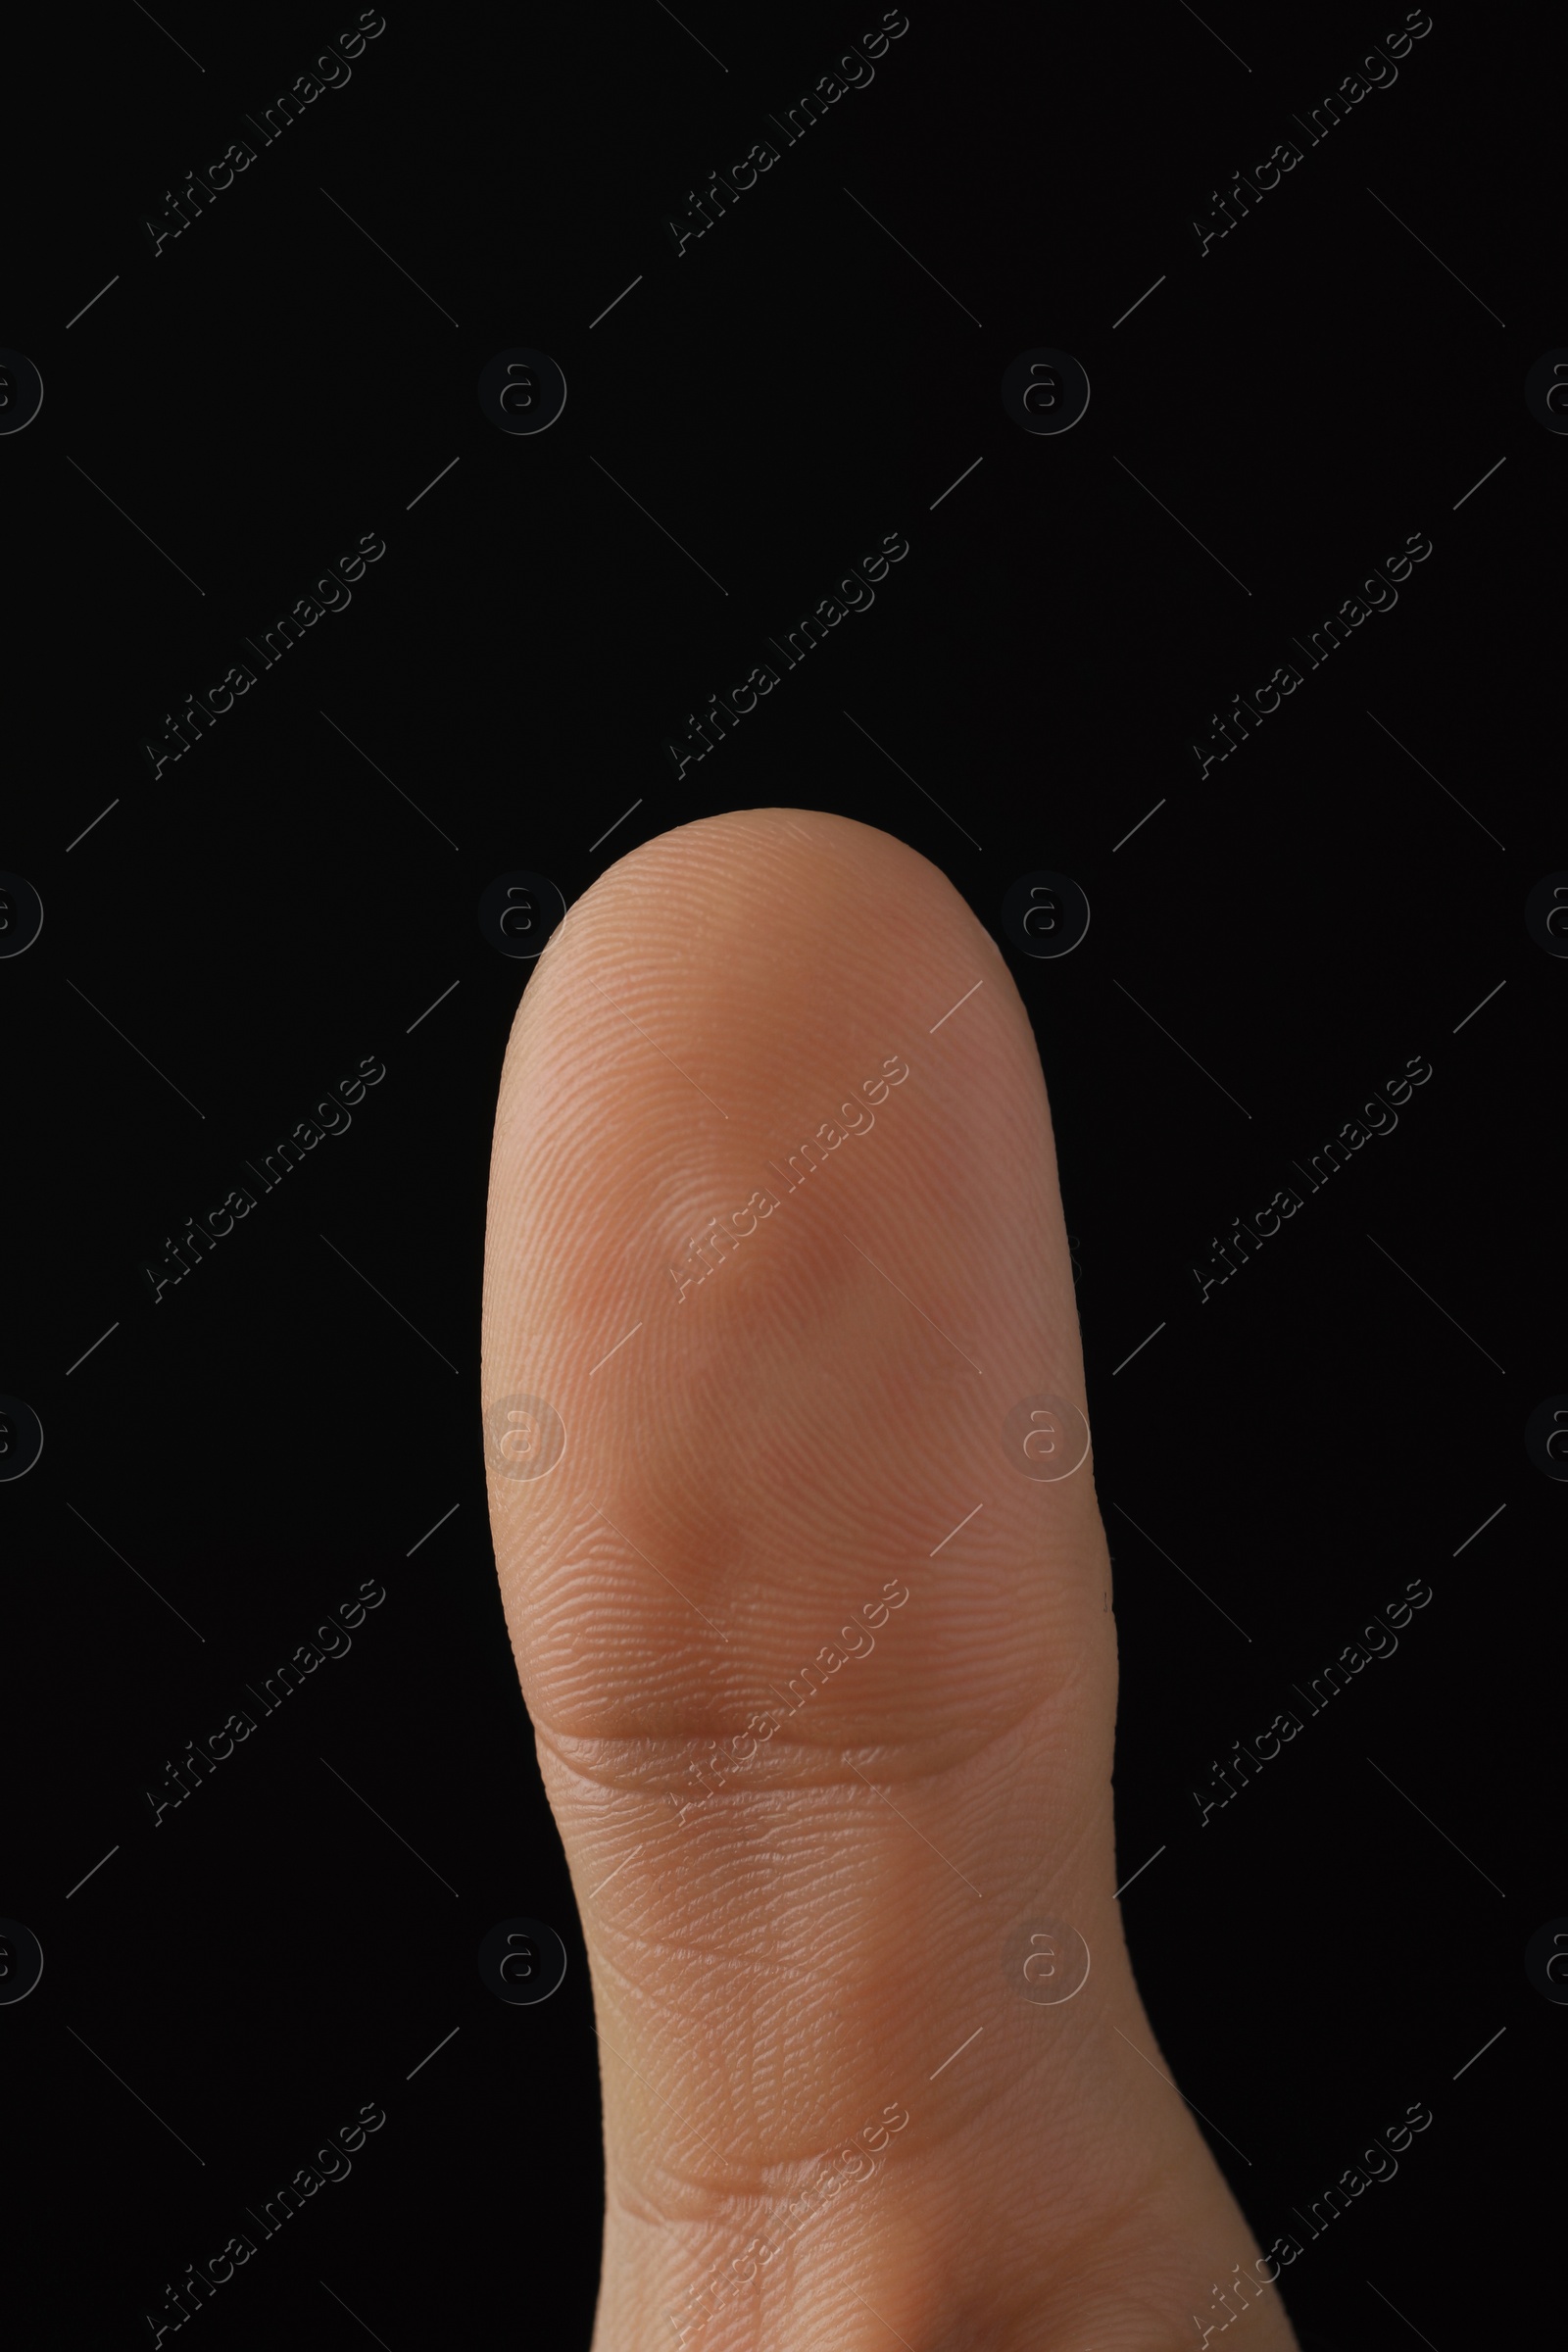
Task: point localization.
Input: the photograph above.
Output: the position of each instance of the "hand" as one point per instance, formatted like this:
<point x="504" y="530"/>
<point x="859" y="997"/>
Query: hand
<point x="829" y="1949"/>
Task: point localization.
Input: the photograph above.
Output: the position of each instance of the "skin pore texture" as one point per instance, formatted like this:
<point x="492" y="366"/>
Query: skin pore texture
<point x="813" y="1827"/>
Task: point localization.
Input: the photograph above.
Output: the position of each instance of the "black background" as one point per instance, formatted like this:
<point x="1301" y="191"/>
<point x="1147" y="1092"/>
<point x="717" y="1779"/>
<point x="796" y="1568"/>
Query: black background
<point x="1314" y="913"/>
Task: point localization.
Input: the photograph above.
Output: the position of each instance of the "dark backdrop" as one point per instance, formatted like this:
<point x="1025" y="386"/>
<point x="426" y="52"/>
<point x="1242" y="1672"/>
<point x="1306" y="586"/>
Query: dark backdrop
<point x="229" y="933"/>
